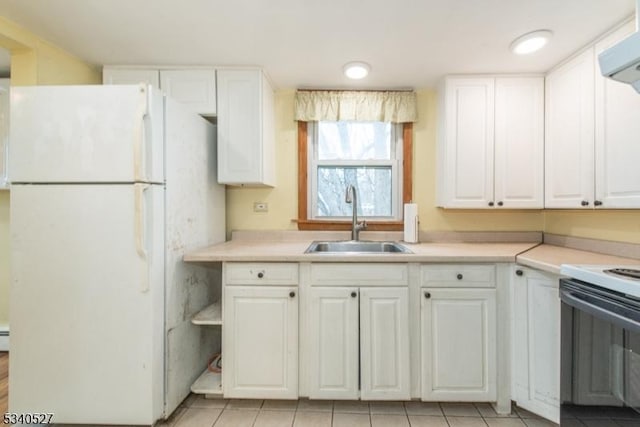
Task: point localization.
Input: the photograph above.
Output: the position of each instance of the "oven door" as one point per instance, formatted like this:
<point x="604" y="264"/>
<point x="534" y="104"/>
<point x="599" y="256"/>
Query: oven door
<point x="600" y="361"/>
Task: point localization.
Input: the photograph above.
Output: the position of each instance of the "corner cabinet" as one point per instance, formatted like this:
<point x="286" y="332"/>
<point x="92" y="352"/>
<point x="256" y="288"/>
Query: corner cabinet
<point x="359" y="332"/>
<point x="458" y="333"/>
<point x="617" y="135"/>
<point x="592" y="133"/>
<point x="4" y="133"/>
<point x="246" y="133"/>
<point x="195" y="88"/>
<point x="535" y="339"/>
<point x="569" y="153"/>
<point x="260" y="335"/>
<point x="490" y="142"/>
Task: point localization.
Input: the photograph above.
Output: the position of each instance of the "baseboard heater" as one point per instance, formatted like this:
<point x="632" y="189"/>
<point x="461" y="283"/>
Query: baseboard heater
<point x="4" y="338"/>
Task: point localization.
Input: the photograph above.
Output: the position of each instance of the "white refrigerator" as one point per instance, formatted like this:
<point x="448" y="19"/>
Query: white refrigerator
<point x="110" y="186"/>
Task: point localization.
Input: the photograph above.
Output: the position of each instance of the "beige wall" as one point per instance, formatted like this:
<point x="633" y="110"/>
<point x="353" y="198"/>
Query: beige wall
<point x="621" y="226"/>
<point x="608" y="225"/>
<point x="33" y="62"/>
<point x="283" y="199"/>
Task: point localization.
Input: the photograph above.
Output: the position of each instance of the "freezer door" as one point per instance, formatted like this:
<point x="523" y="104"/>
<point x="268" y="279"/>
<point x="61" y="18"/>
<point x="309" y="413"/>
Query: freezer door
<point x="87" y="134"/>
<point x="87" y="295"/>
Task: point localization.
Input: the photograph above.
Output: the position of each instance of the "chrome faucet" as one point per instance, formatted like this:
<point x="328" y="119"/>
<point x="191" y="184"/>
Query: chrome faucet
<point x="351" y="197"/>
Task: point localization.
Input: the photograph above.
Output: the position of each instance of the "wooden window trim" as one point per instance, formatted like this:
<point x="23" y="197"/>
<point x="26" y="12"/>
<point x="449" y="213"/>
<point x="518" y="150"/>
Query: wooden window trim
<point x="304" y="223"/>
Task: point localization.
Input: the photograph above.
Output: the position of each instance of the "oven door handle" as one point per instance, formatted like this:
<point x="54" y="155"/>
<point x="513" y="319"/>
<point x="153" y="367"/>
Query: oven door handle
<point x="574" y="299"/>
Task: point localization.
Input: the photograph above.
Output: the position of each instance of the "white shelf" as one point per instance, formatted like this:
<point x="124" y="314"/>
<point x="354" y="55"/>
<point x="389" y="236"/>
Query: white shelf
<point x="208" y="383"/>
<point x="210" y="315"/>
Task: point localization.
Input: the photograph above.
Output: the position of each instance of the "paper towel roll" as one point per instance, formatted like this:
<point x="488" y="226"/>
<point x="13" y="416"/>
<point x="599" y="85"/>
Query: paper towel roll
<point x="411" y="223"/>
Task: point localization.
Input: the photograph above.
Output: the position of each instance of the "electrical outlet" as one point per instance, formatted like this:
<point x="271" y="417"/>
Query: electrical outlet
<point x="260" y="207"/>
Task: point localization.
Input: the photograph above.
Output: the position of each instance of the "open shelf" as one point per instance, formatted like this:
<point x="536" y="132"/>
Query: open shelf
<point x="208" y="383"/>
<point x="210" y="315"/>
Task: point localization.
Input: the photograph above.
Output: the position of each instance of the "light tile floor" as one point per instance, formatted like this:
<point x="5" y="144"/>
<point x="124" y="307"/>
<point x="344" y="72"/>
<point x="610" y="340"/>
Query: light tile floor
<point x="197" y="411"/>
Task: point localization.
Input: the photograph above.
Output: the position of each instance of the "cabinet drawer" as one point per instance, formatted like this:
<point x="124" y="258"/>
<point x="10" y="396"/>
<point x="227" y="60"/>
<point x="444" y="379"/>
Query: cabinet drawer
<point x="263" y="273"/>
<point x="347" y="274"/>
<point x="458" y="276"/>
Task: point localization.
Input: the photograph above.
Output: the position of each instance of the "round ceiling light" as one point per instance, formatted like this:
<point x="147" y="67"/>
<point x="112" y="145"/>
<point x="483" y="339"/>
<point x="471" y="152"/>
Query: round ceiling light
<point x="531" y="42"/>
<point x="356" y="70"/>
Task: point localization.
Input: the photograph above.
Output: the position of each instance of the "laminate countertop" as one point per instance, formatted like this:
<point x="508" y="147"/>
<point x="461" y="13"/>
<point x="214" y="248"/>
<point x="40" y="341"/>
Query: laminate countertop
<point x="545" y="257"/>
<point x="293" y="251"/>
<point x="549" y="258"/>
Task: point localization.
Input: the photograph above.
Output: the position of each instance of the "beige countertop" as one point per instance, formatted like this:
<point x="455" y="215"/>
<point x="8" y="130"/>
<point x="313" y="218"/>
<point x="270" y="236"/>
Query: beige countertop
<point x="290" y="247"/>
<point x="293" y="251"/>
<point x="549" y="258"/>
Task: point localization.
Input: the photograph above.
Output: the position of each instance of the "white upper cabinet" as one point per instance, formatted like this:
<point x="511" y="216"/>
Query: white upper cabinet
<point x="519" y="142"/>
<point x="617" y="136"/>
<point x="123" y="76"/>
<point x="246" y="133"/>
<point x="569" y="135"/>
<point x="592" y="135"/>
<point x="465" y="148"/>
<point x="490" y="146"/>
<point x="4" y="132"/>
<point x="195" y="87"/>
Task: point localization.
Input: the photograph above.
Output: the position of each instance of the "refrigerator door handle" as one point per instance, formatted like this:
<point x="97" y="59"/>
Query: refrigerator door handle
<point x="140" y="226"/>
<point x="140" y="138"/>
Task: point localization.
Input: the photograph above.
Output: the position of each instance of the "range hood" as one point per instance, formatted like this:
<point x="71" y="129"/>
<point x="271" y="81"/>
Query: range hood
<point x="621" y="62"/>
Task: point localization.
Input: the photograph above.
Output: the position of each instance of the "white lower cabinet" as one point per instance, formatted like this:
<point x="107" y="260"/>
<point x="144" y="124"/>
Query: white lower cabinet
<point x="536" y="342"/>
<point x="458" y="341"/>
<point x="260" y="342"/>
<point x="359" y="343"/>
<point x="384" y="343"/>
<point x="334" y="343"/>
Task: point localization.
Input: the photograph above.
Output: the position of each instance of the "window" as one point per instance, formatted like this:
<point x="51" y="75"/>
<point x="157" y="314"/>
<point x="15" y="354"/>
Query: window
<point x="366" y="155"/>
<point x="374" y="157"/>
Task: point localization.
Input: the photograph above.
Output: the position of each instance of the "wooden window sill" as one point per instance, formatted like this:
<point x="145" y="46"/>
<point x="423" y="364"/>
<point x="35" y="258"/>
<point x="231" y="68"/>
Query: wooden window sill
<point x="309" y="224"/>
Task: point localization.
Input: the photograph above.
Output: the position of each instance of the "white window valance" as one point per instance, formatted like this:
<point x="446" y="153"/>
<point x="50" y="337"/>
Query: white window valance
<point x="327" y="105"/>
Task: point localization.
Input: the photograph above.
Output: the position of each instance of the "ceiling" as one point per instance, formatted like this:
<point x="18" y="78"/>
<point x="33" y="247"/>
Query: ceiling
<point x="305" y="43"/>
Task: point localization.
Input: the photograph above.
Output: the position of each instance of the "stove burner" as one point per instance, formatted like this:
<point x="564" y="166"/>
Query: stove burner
<point x="625" y="272"/>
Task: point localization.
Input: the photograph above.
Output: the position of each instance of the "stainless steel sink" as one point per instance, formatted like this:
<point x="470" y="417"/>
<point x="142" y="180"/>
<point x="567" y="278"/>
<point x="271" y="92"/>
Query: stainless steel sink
<point x="360" y="246"/>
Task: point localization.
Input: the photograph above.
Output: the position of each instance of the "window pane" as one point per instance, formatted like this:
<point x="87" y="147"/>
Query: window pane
<point x="373" y="187"/>
<point x="354" y="140"/>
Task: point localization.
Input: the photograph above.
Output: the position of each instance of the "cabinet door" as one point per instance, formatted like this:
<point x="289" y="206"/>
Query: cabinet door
<point x="334" y="343"/>
<point x="260" y="342"/>
<point x="241" y="107"/>
<point x="458" y="344"/>
<point x="519" y="142"/>
<point x="536" y="343"/>
<point x="194" y="88"/>
<point x="384" y="343"/>
<point x="617" y="136"/>
<point x="122" y="76"/>
<point x="467" y="148"/>
<point x="4" y="132"/>
<point x="569" y="134"/>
